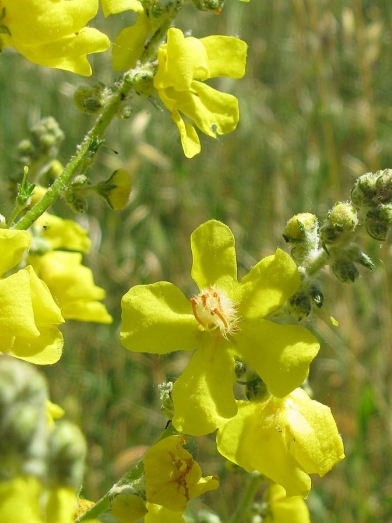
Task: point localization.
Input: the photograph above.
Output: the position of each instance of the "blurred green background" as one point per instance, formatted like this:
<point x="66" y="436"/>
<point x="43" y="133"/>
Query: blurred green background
<point x="316" y="112"/>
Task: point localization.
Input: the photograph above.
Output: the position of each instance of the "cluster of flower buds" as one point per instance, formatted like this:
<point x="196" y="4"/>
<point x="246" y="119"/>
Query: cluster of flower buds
<point x="372" y="196"/>
<point x="43" y="144"/>
<point x="332" y="244"/>
<point x="92" y="100"/>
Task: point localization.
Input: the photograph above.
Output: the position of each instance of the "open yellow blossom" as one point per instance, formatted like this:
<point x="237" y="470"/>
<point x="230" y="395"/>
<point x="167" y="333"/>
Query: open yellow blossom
<point x="52" y="33"/>
<point x="29" y="316"/>
<point x="184" y="63"/>
<point x="284" y="438"/>
<point x="226" y="321"/>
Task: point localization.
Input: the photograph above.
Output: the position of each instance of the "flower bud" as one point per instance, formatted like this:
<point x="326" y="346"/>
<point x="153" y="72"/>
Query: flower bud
<point x="345" y="270"/>
<point x="341" y="220"/>
<point x="91" y="100"/>
<point x="23" y="397"/>
<point x="299" y="305"/>
<point x="127" y="506"/>
<point x="364" y="190"/>
<point x="378" y="222"/>
<point x="384" y="186"/>
<point x="302" y="231"/>
<point x="143" y="81"/>
<point x="66" y="455"/>
<point x="116" y="189"/>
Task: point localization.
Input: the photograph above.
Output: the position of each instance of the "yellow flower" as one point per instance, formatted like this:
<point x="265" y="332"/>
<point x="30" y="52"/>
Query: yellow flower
<point x="172" y="476"/>
<point x="182" y="63"/>
<point x="28" y="314"/>
<point x="52" y="33"/>
<point x="284" y="438"/>
<point x="63" y="234"/>
<point x="225" y="322"/>
<point x="72" y="285"/>
<point x="282" y="509"/>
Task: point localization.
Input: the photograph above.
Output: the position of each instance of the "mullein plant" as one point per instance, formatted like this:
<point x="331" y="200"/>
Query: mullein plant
<point x="250" y="357"/>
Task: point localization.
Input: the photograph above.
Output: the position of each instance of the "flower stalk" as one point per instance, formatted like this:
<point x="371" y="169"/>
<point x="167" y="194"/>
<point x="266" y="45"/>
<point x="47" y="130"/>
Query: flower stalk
<point x="86" y="151"/>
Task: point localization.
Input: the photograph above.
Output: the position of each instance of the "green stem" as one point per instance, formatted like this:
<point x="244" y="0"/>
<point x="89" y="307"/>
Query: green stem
<point x="248" y="498"/>
<point x="320" y="261"/>
<point x="88" y="148"/>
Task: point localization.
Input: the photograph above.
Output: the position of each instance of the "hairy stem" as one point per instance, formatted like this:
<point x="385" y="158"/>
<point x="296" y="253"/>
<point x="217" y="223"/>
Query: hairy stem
<point x="86" y="151"/>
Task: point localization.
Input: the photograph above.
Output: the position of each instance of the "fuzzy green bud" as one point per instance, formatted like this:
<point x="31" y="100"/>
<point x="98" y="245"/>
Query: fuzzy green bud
<point x="126" y="505"/>
<point x="364" y="190"/>
<point x="345" y="269"/>
<point x="378" y="221"/>
<point x="302" y="231"/>
<point x="143" y="81"/>
<point x="23" y="397"/>
<point x="384" y="186"/>
<point x="66" y="455"/>
<point x="299" y="305"/>
<point x="341" y="220"/>
<point x="91" y="100"/>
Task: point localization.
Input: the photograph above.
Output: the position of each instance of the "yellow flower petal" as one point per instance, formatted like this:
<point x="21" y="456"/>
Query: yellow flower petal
<point x="29" y="318"/>
<point x="63" y="234"/>
<point x="129" y="44"/>
<point x="72" y="285"/>
<point x="112" y="7"/>
<point x="12" y="246"/>
<point x="69" y="53"/>
<point x="53" y="33"/>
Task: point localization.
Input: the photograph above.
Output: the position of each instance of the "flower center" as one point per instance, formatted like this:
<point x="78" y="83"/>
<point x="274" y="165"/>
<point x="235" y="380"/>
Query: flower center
<point x="213" y="309"/>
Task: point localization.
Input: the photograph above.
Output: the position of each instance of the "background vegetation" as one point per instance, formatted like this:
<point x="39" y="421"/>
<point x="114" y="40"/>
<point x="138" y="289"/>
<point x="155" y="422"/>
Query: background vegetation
<point x="316" y="112"/>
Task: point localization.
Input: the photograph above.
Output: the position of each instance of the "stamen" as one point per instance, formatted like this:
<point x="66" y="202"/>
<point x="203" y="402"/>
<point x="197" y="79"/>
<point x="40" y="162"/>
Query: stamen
<point x="213" y="309"/>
